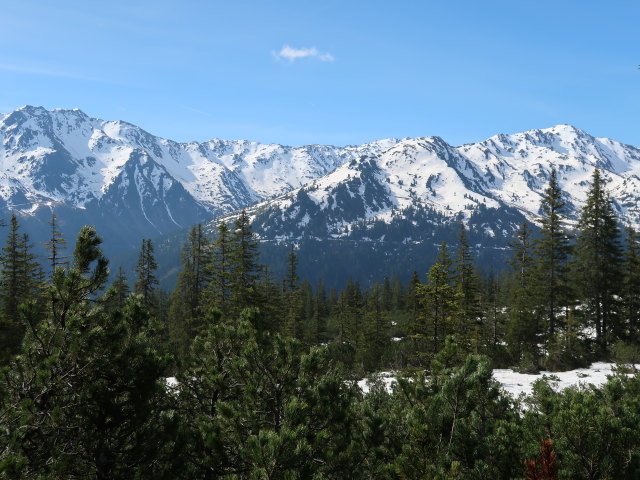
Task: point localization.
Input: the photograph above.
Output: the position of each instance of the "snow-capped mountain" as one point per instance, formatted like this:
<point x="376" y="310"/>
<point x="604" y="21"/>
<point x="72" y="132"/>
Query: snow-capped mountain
<point x="133" y="184"/>
<point x="377" y="214"/>
<point x="506" y="173"/>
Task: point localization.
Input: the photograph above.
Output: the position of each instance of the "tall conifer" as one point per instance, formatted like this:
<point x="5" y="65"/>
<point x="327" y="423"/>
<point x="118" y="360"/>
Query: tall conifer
<point x="552" y="250"/>
<point x="597" y="261"/>
<point x="146" y="267"/>
<point x="523" y="328"/>
<point x="244" y="258"/>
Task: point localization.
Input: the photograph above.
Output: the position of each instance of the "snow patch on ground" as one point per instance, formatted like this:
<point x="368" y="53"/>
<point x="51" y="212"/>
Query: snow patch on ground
<point x="515" y="383"/>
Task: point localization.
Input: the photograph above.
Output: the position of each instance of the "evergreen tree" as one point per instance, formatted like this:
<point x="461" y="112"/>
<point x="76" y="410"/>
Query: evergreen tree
<point x="440" y="302"/>
<point x="495" y="316"/>
<point x="320" y="314"/>
<point x="146" y="267"/>
<point x="187" y="297"/>
<point x="523" y="328"/>
<point x="630" y="290"/>
<point x="412" y="301"/>
<point x="115" y="298"/>
<point x="597" y="261"/>
<point x="552" y="250"/>
<point x="468" y="284"/>
<point x="21" y="279"/>
<point x="221" y="271"/>
<point x="270" y="299"/>
<point x="56" y="245"/>
<point x="292" y="298"/>
<point x="244" y="261"/>
<point x="376" y="328"/>
<point x="86" y="394"/>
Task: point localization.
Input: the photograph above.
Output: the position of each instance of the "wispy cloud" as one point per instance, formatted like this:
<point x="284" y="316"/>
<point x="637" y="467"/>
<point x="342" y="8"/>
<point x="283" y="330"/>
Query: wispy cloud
<point x="292" y="54"/>
<point x="36" y="70"/>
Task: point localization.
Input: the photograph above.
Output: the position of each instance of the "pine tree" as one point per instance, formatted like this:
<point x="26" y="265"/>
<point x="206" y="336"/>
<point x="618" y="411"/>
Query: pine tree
<point x="146" y="267"/>
<point x="552" y="251"/>
<point x="597" y="261"/>
<point x="495" y="316"/>
<point x="86" y="394"/>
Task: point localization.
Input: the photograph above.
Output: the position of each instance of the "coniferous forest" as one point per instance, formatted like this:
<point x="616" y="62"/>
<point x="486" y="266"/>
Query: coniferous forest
<point x="237" y="374"/>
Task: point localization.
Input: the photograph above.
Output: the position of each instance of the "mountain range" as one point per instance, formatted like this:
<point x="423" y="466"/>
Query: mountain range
<point x="388" y="198"/>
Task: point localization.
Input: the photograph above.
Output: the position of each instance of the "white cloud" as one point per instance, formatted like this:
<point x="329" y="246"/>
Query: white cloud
<point x="292" y="54"/>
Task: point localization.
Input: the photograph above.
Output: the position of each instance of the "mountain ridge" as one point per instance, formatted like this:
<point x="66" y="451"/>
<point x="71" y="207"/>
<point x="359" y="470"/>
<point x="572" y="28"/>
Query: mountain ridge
<point x="132" y="184"/>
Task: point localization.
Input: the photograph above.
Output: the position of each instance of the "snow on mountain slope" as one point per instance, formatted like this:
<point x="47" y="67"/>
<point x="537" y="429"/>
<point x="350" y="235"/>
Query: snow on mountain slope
<point x="517" y="167"/>
<point x="66" y="156"/>
<point x="131" y="183"/>
<point x="503" y="173"/>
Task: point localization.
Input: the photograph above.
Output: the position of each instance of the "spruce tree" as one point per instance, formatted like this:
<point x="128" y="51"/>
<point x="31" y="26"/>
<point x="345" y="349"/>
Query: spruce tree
<point x="597" y="260"/>
<point x="523" y="328"/>
<point x="221" y="271"/>
<point x="244" y="263"/>
<point x="292" y="298"/>
<point x="440" y="305"/>
<point x="376" y="328"/>
<point x="468" y="284"/>
<point x="320" y="314"/>
<point x="630" y="289"/>
<point x="116" y="296"/>
<point x="412" y="301"/>
<point x="187" y="298"/>
<point x="146" y="267"/>
<point x="552" y="251"/>
<point x="56" y="245"/>
<point x="21" y="279"/>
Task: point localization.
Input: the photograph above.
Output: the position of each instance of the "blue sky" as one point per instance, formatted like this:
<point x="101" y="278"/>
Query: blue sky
<point x="334" y="72"/>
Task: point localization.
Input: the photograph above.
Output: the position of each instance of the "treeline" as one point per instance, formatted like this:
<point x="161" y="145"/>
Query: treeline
<point x="237" y="374"/>
<point x="568" y="296"/>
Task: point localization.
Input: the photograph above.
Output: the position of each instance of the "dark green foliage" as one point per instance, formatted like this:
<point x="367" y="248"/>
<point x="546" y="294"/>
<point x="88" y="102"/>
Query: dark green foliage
<point x="220" y="271"/>
<point x="56" y="245"/>
<point x="294" y="321"/>
<point x="146" y="281"/>
<point x="85" y="393"/>
<point x="188" y="296"/>
<point x="262" y="408"/>
<point x="596" y="264"/>
<point x="267" y="367"/>
<point x="244" y="264"/>
<point x="467" y="283"/>
<point x="21" y="279"/>
<point x="552" y="250"/>
<point x="594" y="431"/>
<point x="523" y="329"/>
<point x="630" y="288"/>
<point x="440" y="303"/>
